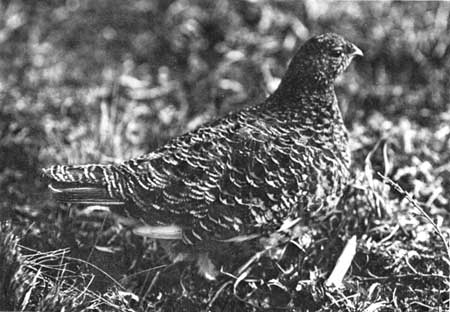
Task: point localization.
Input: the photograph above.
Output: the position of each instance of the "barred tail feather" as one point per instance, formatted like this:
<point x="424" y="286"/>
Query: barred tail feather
<point x="84" y="174"/>
<point x="86" y="184"/>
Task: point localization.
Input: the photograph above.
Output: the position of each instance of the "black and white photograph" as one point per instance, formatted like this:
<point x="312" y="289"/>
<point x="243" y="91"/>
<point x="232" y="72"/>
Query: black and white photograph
<point x="224" y="155"/>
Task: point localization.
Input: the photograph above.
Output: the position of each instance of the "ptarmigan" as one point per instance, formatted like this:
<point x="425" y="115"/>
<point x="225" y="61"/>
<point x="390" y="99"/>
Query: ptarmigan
<point x="241" y="176"/>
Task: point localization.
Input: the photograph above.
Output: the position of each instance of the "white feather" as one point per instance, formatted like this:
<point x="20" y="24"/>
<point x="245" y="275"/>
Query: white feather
<point x="171" y="231"/>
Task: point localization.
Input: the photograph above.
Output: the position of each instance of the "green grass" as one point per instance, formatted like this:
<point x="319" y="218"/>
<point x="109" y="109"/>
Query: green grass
<point x="102" y="81"/>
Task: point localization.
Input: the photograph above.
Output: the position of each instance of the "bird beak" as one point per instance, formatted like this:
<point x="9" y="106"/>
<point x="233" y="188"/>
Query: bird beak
<point x="356" y="51"/>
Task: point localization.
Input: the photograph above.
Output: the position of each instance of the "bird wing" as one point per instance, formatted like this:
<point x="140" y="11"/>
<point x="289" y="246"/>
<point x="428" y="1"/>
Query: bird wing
<point x="224" y="179"/>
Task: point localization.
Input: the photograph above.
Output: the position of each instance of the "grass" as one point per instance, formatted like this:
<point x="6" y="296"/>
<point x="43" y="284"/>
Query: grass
<point x="87" y="82"/>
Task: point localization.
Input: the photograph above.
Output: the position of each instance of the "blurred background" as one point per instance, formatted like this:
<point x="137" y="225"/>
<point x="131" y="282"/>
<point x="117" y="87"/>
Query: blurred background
<point x="101" y="81"/>
<point x="95" y="81"/>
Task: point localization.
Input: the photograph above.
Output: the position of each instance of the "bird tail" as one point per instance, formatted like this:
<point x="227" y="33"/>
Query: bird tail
<point x="85" y="184"/>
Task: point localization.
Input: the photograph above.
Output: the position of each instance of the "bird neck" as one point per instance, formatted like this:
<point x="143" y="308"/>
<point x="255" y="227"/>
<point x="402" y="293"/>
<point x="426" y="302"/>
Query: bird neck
<point x="307" y="73"/>
<point x="318" y="101"/>
<point x="317" y="109"/>
<point x="301" y="81"/>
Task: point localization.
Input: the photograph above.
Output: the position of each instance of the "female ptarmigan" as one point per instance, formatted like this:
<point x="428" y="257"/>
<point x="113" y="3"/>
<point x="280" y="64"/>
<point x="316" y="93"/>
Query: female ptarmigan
<point x="241" y="176"/>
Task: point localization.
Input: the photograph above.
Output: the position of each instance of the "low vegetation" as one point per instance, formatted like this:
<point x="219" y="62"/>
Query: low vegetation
<point x="102" y="81"/>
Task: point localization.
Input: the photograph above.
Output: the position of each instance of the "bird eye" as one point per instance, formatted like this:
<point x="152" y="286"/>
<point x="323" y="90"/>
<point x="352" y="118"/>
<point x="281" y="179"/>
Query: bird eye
<point x="336" y="52"/>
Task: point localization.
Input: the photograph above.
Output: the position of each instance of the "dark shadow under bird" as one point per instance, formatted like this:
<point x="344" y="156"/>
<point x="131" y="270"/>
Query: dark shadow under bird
<point x="240" y="177"/>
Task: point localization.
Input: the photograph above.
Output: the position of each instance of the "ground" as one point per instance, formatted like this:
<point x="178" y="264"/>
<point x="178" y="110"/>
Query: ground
<point x="102" y="81"/>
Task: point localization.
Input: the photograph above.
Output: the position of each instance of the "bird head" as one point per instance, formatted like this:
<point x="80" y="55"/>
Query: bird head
<point x="321" y="60"/>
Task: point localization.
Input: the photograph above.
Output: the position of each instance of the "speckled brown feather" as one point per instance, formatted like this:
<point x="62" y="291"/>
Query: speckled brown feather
<point x="243" y="174"/>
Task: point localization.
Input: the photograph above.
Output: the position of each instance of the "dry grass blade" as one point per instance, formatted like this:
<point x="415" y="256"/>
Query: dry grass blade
<point x="343" y="264"/>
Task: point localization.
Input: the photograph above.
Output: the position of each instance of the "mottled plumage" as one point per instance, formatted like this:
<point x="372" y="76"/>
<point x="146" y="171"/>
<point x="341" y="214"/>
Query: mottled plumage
<point x="242" y="175"/>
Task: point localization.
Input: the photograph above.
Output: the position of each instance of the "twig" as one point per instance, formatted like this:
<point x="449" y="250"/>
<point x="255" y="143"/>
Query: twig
<point x="153" y="283"/>
<point x="218" y="292"/>
<point x="98" y="269"/>
<point x="126" y="278"/>
<point x="413" y="202"/>
<point x="399" y="276"/>
<point x="344" y="298"/>
<point x="385" y="239"/>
